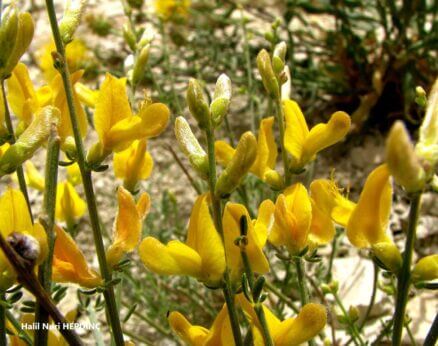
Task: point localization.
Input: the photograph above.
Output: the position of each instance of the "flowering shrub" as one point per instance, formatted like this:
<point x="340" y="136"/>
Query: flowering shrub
<point x="252" y="254"/>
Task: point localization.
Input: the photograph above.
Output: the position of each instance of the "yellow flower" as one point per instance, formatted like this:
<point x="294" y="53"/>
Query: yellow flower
<point x="69" y="205"/>
<point x="202" y="256"/>
<point x="33" y="176"/>
<point x="15" y="218"/>
<point x="293" y="331"/>
<point x="115" y="124"/>
<point x="303" y="144"/>
<point x="74" y="174"/>
<point x="59" y="100"/>
<point x="220" y="333"/>
<point x="170" y="9"/>
<point x="133" y="164"/>
<point x="128" y="225"/>
<point x="257" y="234"/>
<point x="69" y="263"/>
<point x="264" y="165"/>
<point x="77" y="56"/>
<point x="426" y="269"/>
<point x="86" y="95"/>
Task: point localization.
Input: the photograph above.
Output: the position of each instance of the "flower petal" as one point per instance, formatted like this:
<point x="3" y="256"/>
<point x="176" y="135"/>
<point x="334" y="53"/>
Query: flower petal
<point x="296" y="130"/>
<point x="154" y="119"/>
<point x="14" y="214"/>
<point x="69" y="205"/>
<point x="192" y="335"/>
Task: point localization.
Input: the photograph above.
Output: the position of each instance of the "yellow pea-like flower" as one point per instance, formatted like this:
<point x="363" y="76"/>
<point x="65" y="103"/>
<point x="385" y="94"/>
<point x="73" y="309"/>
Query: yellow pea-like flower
<point x="86" y="95"/>
<point x="220" y="333"/>
<point x="77" y="55"/>
<point x="74" y="174"/>
<point x="264" y="165"/>
<point x="69" y="205"/>
<point x="202" y="256"/>
<point x="311" y="319"/>
<point x="426" y="269"/>
<point x="293" y="217"/>
<point x="239" y="165"/>
<point x="59" y="100"/>
<point x="133" y="164"/>
<point x="33" y="177"/>
<point x="128" y="224"/>
<point x="303" y="144"/>
<point x="15" y="218"/>
<point x="30" y="140"/>
<point x="170" y="9"/>
<point x="115" y="124"/>
<point x="69" y="263"/>
<point x="257" y="234"/>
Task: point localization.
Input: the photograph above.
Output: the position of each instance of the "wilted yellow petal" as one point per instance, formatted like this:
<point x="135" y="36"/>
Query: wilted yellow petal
<point x="368" y="222"/>
<point x="127" y="226"/>
<point x="175" y="258"/>
<point x="69" y="205"/>
<point x="69" y="263"/>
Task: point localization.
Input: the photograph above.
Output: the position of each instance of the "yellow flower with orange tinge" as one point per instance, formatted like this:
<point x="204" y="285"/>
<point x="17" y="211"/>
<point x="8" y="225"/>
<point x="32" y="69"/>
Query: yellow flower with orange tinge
<point x="15" y="219"/>
<point x="299" y="221"/>
<point x="310" y="320"/>
<point x="116" y="125"/>
<point x="202" y="256"/>
<point x="264" y="165"/>
<point x="69" y="205"/>
<point x="303" y="144"/>
<point x="128" y="225"/>
<point x="367" y="220"/>
<point x="133" y="164"/>
<point x="293" y="331"/>
<point x="169" y="9"/>
<point x="69" y="263"/>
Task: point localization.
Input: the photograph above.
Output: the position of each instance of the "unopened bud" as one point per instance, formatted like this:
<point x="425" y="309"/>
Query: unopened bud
<point x="279" y="57"/>
<point x="140" y="65"/>
<point x="402" y="160"/>
<point x="353" y="313"/>
<point x="190" y="146"/>
<point x="269" y="80"/>
<point x="146" y="38"/>
<point x="286" y="87"/>
<point x="420" y="97"/>
<point x="71" y="19"/>
<point x="389" y="255"/>
<point x="221" y="99"/>
<point x="238" y="167"/>
<point x="197" y="104"/>
<point x="427" y="146"/>
<point x="426" y="269"/>
<point x="30" y="140"/>
<point x="129" y="37"/>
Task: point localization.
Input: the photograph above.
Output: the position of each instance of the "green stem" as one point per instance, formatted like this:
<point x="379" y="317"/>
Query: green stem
<point x="217" y="216"/>
<point x="432" y="335"/>
<point x="20" y="171"/>
<point x="3" y="320"/>
<point x="282" y="297"/>
<point x="280" y="120"/>
<point x="357" y="339"/>
<point x="404" y="277"/>
<point x="49" y="205"/>
<point x="22" y="334"/>
<point x="328" y="276"/>
<point x="373" y="297"/>
<point x="87" y="181"/>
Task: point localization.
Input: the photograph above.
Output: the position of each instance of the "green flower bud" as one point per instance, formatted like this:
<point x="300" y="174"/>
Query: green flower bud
<point x="71" y="19"/>
<point x="8" y="35"/>
<point x="389" y="255"/>
<point x="238" y="167"/>
<point x="190" y="146"/>
<point x="426" y="269"/>
<point x="129" y="37"/>
<point x="353" y="313"/>
<point x="279" y="57"/>
<point x="420" y="97"/>
<point x="197" y="104"/>
<point x="402" y="160"/>
<point x="221" y="99"/>
<point x="140" y="65"/>
<point x="30" y="140"/>
<point x="268" y="76"/>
